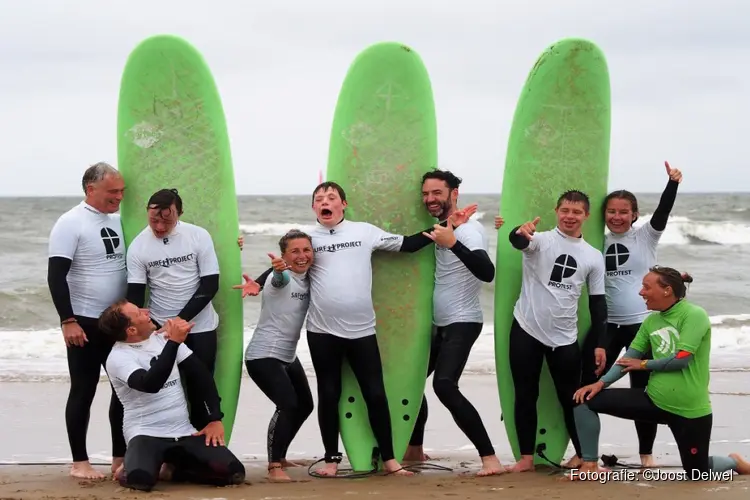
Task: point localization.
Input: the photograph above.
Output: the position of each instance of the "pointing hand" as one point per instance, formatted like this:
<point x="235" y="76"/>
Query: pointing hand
<point x="528" y="229"/>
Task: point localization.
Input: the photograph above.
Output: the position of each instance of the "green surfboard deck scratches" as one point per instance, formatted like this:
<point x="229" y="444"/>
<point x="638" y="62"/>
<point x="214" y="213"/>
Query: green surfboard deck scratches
<point x="171" y="133"/>
<point x="559" y="141"/>
<point x="383" y="139"/>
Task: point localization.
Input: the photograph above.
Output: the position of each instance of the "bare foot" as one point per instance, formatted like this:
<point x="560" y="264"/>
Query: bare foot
<point x="166" y="471"/>
<point x="118" y="472"/>
<point x="328" y="469"/>
<point x="743" y="467"/>
<point x="117" y="463"/>
<point x="286" y="463"/>
<point x="647" y="461"/>
<point x="415" y="454"/>
<point x="276" y="474"/>
<point x="526" y="464"/>
<point x="491" y="466"/>
<point x="394" y="468"/>
<point x="574" y="463"/>
<point x="589" y="471"/>
<point x="83" y="470"/>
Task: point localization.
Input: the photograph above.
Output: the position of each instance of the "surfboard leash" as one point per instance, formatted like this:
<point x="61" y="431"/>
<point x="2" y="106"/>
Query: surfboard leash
<point x="351" y="474"/>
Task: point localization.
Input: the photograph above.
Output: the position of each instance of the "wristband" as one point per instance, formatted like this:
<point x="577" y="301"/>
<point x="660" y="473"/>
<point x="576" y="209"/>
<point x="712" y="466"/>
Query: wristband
<point x="643" y="364"/>
<point x="69" y="320"/>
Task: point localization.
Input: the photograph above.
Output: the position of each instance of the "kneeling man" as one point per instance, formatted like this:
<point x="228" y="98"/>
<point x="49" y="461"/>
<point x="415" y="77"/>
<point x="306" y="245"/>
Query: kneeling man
<point x="146" y="370"/>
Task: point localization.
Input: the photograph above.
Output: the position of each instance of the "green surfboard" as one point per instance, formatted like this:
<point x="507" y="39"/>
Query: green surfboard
<point x="383" y="139"/>
<point x="559" y="140"/>
<point x="171" y="133"/>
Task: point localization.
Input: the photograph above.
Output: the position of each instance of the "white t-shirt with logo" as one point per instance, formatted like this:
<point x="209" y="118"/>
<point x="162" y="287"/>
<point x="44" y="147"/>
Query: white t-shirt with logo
<point x="457" y="290"/>
<point x="172" y="268"/>
<point x="163" y="414"/>
<point x="341" y="277"/>
<point x="93" y="241"/>
<point x="627" y="259"/>
<point x="282" y="316"/>
<point x="555" y="269"/>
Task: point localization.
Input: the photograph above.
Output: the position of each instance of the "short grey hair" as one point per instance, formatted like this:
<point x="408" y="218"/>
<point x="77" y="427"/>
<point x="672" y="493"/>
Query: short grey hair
<point x="97" y="172"/>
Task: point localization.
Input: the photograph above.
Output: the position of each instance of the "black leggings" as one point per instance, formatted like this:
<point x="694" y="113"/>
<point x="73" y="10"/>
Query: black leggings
<point x="84" y="365"/>
<point x="622" y="336"/>
<point x="450" y="349"/>
<point x="192" y="459"/>
<point x="692" y="435"/>
<point x="328" y="352"/>
<point x="203" y="345"/>
<point x="526" y="357"/>
<point x="286" y="385"/>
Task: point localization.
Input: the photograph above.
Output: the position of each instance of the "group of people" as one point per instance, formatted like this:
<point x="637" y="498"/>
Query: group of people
<point x="159" y="352"/>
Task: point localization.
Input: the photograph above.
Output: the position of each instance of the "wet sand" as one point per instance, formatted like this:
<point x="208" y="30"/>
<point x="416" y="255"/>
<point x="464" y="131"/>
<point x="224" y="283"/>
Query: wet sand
<point x="33" y="432"/>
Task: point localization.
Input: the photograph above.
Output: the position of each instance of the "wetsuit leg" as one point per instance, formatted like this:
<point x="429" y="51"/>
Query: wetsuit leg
<point x="327" y="355"/>
<point x="638" y="380"/>
<point x="305" y="404"/>
<point x="142" y="462"/>
<point x="195" y="462"/>
<point x="692" y="436"/>
<point x="526" y="358"/>
<point x="203" y="345"/>
<point x="84" y="365"/>
<point x="565" y="368"/>
<point x="271" y="377"/>
<point x="364" y="358"/>
<point x="458" y="339"/>
<point x="629" y="404"/>
<point x="417" y="435"/>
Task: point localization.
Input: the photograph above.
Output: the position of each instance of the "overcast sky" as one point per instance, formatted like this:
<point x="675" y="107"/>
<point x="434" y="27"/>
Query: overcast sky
<point x="679" y="74"/>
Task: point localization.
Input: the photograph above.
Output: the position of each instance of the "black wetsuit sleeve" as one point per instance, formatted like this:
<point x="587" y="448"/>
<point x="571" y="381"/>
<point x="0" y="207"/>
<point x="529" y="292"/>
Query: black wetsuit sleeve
<point x="598" y="313"/>
<point x="206" y="291"/>
<point x="476" y="261"/>
<point x="418" y="241"/>
<point x="518" y="241"/>
<point x="153" y="379"/>
<point x="57" y="280"/>
<point x="136" y="294"/>
<point x="666" y="202"/>
<point x="262" y="278"/>
<point x="199" y="379"/>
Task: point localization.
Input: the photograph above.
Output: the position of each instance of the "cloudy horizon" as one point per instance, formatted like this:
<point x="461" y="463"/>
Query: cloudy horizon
<point x="678" y="82"/>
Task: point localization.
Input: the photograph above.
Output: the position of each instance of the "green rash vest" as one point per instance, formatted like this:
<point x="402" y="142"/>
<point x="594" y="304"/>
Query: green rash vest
<point x="683" y="327"/>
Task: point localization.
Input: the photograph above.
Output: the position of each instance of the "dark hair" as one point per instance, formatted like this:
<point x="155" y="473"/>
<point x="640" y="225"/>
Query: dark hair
<point x="113" y="322"/>
<point x="325" y="186"/>
<point x="292" y="234"/>
<point x="164" y="199"/>
<point x="672" y="278"/>
<point x="575" y="196"/>
<point x="443" y="175"/>
<point x="622" y="194"/>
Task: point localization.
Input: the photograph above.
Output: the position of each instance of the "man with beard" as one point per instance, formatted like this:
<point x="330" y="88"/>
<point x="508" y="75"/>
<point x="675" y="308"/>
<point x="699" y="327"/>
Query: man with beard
<point x="462" y="266"/>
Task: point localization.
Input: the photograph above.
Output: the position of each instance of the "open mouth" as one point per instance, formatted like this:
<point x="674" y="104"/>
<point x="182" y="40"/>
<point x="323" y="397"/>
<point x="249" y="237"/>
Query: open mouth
<point x="301" y="263"/>
<point x="326" y="213"/>
<point x="433" y="206"/>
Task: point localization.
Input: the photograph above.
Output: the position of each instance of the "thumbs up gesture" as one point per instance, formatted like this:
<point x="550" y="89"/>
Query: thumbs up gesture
<point x="528" y="229"/>
<point x="279" y="265"/>
<point x="673" y="173"/>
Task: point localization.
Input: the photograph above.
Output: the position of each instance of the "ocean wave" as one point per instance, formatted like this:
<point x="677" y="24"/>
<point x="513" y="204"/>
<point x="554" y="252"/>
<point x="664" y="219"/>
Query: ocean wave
<point x="680" y="230"/>
<point x="39" y="355"/>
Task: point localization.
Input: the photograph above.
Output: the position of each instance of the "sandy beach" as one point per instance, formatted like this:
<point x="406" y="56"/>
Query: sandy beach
<point x="35" y="450"/>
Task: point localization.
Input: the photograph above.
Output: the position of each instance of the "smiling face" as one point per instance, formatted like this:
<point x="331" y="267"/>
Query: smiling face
<point x="328" y="205"/>
<point x="298" y="254"/>
<point x="619" y="215"/>
<point x="438" y="198"/>
<point x="162" y="221"/>
<point x="106" y="194"/>
<point x="657" y="296"/>
<point x="141" y="326"/>
<point x="570" y="217"/>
